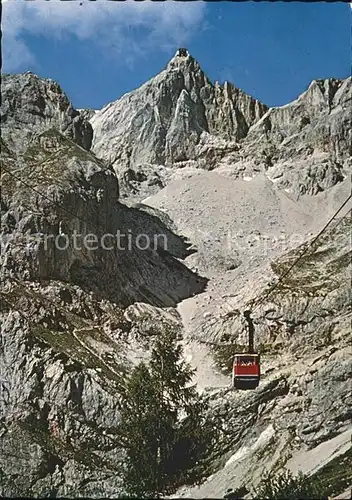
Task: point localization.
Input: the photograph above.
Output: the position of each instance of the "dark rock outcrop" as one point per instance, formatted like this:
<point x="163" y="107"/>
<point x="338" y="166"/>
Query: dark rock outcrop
<point x="132" y="257"/>
<point x="31" y="105"/>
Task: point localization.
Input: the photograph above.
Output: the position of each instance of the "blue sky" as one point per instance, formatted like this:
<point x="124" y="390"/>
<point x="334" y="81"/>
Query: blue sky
<point x="99" y="50"/>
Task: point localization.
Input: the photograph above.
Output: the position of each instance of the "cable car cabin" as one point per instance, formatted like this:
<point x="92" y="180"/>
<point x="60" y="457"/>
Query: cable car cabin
<point x="246" y="371"/>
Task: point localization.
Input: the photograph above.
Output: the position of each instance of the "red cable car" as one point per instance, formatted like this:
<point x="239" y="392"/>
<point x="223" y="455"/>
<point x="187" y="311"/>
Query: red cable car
<point x="246" y="366"/>
<point x="246" y="371"/>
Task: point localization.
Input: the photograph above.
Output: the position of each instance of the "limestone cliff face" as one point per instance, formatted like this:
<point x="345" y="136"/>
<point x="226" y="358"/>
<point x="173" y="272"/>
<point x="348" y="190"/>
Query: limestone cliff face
<point x="64" y="356"/>
<point x="76" y="195"/>
<point x="305" y="146"/>
<point x="69" y="191"/>
<point x="162" y="121"/>
<point x="31" y="105"/>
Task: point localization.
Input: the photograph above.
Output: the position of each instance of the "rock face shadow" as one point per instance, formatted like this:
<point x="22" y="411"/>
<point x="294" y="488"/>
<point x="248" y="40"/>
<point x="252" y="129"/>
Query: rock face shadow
<point x="141" y="259"/>
<point x="155" y="275"/>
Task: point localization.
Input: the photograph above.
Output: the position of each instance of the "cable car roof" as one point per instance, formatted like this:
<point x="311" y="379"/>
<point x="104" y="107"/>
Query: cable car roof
<point x="246" y="355"/>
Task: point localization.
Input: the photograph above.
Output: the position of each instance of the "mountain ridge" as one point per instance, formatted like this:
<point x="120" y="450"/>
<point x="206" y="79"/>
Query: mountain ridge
<point x="183" y="119"/>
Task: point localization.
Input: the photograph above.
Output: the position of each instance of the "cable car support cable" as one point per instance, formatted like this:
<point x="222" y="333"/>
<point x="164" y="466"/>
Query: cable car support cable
<point x="302" y="253"/>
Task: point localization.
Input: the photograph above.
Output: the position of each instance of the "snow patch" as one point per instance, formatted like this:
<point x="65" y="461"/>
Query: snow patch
<point x="239" y="455"/>
<point x="263" y="440"/>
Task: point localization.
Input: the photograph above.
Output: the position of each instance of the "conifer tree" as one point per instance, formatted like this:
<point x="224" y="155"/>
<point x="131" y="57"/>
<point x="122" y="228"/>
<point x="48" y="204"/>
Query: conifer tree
<point x="165" y="426"/>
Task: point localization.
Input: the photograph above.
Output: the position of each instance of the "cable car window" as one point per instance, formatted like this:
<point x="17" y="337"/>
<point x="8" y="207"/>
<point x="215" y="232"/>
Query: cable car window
<point x="245" y="361"/>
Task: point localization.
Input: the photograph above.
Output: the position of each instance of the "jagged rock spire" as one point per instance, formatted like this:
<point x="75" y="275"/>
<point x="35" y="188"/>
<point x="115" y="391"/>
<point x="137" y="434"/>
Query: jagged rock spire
<point x="168" y="115"/>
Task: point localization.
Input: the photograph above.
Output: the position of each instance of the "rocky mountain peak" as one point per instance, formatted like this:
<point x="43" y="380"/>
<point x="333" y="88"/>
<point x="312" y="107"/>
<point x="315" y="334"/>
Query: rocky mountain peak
<point x="163" y="121"/>
<point x="181" y="55"/>
<point x="183" y="61"/>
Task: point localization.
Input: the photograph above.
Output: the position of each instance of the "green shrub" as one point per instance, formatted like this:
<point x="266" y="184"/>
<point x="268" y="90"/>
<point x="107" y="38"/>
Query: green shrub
<point x="284" y="485"/>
